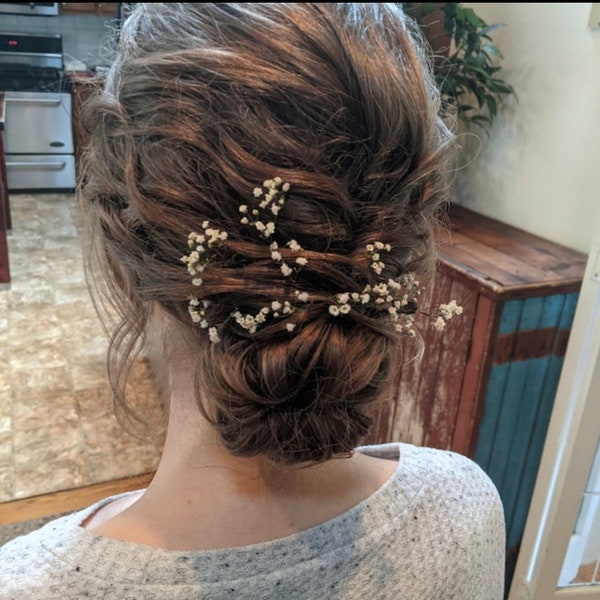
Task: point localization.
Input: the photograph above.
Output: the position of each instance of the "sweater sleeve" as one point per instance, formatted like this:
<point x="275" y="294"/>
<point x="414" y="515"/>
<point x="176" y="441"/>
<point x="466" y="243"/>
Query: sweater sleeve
<point x="477" y="532"/>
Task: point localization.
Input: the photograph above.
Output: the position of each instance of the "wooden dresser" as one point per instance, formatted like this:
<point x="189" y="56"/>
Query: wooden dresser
<point x="485" y="386"/>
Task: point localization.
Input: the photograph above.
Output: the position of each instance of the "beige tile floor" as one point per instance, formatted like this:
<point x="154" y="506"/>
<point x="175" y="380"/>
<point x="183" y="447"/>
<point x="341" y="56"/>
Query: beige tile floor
<point x="57" y="429"/>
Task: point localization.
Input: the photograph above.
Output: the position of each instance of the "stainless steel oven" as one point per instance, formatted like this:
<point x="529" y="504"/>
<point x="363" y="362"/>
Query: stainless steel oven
<point x="46" y="9"/>
<point x="38" y="130"/>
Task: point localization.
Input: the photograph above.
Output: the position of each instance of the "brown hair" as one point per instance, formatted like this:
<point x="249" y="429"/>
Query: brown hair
<point x="203" y="103"/>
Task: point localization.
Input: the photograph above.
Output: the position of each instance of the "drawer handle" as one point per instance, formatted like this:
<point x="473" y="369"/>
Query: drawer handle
<point x="54" y="166"/>
<point x="34" y="101"/>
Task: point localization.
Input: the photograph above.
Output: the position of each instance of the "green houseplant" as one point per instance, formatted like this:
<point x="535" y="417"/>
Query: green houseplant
<point x="465" y="60"/>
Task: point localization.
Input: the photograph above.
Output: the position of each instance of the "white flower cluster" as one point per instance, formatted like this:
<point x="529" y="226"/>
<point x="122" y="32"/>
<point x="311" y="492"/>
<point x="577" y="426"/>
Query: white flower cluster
<point x="277" y="309"/>
<point x="199" y="243"/>
<point x="276" y="255"/>
<point x="398" y="298"/>
<point x="273" y="198"/>
<point x="446" y="312"/>
<point x="374" y="251"/>
<point x="196" y="261"/>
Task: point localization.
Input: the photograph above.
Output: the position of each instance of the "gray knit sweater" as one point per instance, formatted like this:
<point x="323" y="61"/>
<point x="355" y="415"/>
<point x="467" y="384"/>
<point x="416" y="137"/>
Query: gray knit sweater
<point x="434" y="531"/>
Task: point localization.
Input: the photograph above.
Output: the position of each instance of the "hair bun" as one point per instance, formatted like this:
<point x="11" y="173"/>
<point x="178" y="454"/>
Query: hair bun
<point x="299" y="399"/>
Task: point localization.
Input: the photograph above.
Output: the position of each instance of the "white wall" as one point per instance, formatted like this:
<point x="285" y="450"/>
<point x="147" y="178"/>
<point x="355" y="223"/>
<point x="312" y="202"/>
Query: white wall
<point x="540" y="169"/>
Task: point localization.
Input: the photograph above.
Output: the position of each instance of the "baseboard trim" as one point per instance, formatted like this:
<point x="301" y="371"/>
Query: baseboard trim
<point x="35" y="507"/>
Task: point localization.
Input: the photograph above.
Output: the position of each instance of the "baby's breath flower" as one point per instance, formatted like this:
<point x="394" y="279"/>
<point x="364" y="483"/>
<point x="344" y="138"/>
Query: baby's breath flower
<point x="440" y="324"/>
<point x="270" y="229"/>
<point x="447" y="311"/>
<point x="391" y="298"/>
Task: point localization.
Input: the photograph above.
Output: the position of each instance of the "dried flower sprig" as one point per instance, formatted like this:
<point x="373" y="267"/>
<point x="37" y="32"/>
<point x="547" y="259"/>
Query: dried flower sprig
<point x="446" y="312"/>
<point x="272" y="196"/>
<point x="375" y="249"/>
<point x="396" y="297"/>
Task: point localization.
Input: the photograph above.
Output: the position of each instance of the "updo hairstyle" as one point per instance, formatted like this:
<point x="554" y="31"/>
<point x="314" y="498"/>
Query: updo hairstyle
<point x="202" y="104"/>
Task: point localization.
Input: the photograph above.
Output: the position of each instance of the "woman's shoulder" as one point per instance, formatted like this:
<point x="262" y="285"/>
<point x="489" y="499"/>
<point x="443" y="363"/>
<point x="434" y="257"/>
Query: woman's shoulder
<point x="411" y="458"/>
<point x="442" y="481"/>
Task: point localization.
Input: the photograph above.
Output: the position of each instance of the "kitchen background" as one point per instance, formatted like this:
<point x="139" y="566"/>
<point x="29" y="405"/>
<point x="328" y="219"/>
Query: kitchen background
<point x="57" y="427"/>
<point x="84" y="36"/>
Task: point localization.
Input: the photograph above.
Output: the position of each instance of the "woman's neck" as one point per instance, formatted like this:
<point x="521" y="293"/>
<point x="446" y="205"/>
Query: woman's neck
<point x="203" y="498"/>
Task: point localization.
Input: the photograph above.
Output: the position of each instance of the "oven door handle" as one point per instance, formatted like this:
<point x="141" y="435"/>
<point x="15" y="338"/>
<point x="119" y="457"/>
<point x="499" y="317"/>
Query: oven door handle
<point x="33" y="101"/>
<point x="54" y="166"/>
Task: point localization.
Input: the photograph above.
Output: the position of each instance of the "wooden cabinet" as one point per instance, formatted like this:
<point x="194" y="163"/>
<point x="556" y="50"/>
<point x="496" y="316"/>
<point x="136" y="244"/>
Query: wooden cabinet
<point x="105" y="9"/>
<point x="485" y="386"/>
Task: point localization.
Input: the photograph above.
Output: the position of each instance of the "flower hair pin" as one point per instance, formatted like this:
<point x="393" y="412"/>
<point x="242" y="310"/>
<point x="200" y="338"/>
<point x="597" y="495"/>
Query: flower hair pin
<point x="397" y="298"/>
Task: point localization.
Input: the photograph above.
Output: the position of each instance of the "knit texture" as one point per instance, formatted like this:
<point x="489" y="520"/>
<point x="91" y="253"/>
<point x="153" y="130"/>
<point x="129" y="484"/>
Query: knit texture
<point x="434" y="531"/>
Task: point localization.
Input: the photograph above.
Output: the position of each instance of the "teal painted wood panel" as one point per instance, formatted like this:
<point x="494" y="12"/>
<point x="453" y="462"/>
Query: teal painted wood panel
<point x="568" y="313"/>
<point x="518" y="404"/>
<point x="513" y="398"/>
<point x="511" y="315"/>
<point x="530" y="396"/>
<point x="489" y="422"/>
<point x="507" y="422"/>
<point x="515" y="522"/>
<point x="520" y="444"/>
<point x="518" y="517"/>
<point x="509" y="322"/>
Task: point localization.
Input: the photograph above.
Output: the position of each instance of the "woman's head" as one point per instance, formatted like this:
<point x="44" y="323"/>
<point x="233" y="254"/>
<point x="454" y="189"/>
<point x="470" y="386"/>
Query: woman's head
<point x="206" y="108"/>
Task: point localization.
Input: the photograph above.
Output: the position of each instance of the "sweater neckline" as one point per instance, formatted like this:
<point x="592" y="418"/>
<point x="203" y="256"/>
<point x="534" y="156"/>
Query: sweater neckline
<point x="103" y="557"/>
